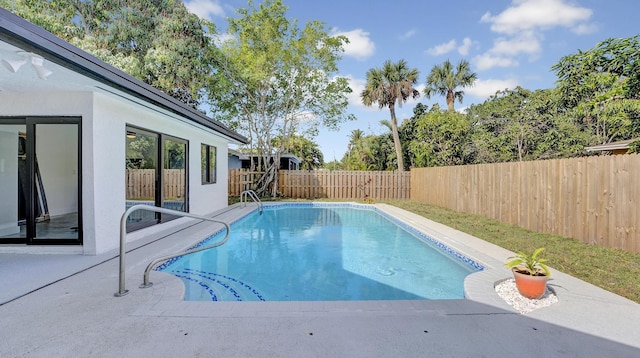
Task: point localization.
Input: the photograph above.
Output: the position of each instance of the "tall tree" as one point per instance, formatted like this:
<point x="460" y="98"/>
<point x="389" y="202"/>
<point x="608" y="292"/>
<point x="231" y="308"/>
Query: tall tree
<point x="518" y="124"/>
<point x="275" y="79"/>
<point x="391" y="84"/>
<point x="444" y="80"/>
<point x="442" y="138"/>
<point x="600" y="87"/>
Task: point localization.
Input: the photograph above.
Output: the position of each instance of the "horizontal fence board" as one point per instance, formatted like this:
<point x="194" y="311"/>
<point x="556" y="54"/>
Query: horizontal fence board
<point x="335" y="184"/>
<point x="140" y="184"/>
<point x="592" y="199"/>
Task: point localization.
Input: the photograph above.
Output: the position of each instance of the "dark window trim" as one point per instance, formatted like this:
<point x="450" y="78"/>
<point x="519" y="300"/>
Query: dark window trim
<point x="30" y="122"/>
<point x="207" y="162"/>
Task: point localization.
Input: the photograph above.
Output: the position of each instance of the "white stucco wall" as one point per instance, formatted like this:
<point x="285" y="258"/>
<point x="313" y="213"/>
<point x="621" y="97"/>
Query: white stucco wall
<point x="211" y="197"/>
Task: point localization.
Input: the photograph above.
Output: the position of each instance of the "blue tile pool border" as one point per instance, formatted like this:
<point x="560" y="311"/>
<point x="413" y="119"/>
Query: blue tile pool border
<point x="268" y="206"/>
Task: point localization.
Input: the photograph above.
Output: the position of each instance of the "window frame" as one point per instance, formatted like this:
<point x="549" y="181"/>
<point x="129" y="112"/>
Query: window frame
<point x="208" y="174"/>
<point x="158" y="199"/>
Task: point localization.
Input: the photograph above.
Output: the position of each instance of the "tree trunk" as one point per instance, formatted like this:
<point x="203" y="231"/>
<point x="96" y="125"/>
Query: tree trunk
<point x="265" y="182"/>
<point x="396" y="138"/>
<point x="450" y="100"/>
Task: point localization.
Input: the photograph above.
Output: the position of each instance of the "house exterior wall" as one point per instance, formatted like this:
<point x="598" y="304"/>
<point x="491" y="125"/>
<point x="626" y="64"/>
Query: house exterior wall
<point x="104" y="119"/>
<point x="56" y="104"/>
<point x="112" y="115"/>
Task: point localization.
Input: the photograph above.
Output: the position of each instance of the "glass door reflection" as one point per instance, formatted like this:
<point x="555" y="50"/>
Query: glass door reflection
<point x="141" y="176"/>
<point x="174" y="176"/>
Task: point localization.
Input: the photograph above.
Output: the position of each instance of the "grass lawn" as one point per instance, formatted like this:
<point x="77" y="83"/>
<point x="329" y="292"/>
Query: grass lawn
<point x="614" y="270"/>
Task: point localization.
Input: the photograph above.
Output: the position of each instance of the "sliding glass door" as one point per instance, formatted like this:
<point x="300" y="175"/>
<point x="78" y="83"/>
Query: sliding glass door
<point x="40" y="180"/>
<point x="142" y="175"/>
<point x="156" y="175"/>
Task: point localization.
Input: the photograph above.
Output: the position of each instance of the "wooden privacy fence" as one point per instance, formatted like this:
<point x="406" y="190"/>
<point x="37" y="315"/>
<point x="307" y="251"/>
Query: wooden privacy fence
<point x="140" y="183"/>
<point x="592" y="199"/>
<point x="241" y="180"/>
<point x="302" y="184"/>
<point x="344" y="184"/>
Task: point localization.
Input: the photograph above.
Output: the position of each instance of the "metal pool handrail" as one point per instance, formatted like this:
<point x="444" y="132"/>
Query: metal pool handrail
<point x="252" y="194"/>
<point x="123" y="235"/>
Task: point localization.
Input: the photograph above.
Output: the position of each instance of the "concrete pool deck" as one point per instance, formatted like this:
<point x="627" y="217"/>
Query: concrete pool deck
<point x="58" y="305"/>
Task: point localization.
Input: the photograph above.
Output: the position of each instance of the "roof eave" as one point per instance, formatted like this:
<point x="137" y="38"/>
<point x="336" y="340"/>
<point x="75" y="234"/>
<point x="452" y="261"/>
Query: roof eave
<point x="21" y="33"/>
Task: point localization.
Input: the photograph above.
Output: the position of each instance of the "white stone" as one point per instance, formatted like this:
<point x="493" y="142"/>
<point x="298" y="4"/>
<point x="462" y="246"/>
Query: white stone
<point x="508" y="291"/>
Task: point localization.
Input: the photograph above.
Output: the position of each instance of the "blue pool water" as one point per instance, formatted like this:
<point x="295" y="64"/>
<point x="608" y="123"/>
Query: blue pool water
<point x="322" y="252"/>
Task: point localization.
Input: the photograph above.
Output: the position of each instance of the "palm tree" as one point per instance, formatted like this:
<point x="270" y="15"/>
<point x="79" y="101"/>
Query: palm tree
<point x="392" y="83"/>
<point x="443" y="81"/>
<point x="356" y="136"/>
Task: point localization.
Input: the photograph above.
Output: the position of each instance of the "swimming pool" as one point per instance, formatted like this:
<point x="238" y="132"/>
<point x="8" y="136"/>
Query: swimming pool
<point x="322" y="252"/>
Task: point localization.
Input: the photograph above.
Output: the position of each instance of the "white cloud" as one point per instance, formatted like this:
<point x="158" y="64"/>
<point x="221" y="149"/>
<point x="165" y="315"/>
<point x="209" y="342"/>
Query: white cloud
<point x="488" y="60"/>
<point x="360" y="45"/>
<point x="585" y="29"/>
<point x="407" y="35"/>
<point x="205" y="9"/>
<point x="442" y="48"/>
<point x="485" y="88"/>
<point x="465" y="47"/>
<point x="447" y="47"/>
<point x="525" y="15"/>
<point x="522" y="25"/>
<point x="220" y="39"/>
<point x="523" y="43"/>
<point x="357" y="86"/>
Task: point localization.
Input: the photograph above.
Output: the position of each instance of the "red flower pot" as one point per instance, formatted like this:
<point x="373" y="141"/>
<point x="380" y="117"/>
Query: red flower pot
<point x="529" y="286"/>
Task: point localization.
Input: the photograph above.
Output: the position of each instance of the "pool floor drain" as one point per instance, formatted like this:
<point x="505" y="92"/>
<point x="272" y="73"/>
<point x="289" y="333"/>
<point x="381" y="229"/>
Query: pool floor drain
<point x="386" y="272"/>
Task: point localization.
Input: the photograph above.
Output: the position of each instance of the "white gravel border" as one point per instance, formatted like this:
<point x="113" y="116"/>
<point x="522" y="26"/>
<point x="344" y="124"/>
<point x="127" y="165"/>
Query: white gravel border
<point x="508" y="291"/>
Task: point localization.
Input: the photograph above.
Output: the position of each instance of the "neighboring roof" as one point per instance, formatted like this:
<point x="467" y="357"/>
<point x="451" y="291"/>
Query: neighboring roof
<point x="242" y="156"/>
<point x="619" y="145"/>
<point x="29" y="37"/>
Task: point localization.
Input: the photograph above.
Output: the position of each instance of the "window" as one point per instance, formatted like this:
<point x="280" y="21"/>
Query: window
<point x="156" y="175"/>
<point x="208" y="160"/>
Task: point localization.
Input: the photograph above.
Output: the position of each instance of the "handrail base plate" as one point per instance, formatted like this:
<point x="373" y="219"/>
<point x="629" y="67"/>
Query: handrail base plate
<point x="120" y="294"/>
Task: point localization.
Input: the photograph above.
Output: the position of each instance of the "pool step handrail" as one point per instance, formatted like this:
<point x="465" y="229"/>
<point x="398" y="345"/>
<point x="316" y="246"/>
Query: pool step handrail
<point x="252" y="194"/>
<point x="123" y="242"/>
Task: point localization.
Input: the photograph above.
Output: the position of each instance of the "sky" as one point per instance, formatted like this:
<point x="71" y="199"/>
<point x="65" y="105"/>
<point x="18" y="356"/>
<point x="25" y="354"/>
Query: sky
<point x="508" y="43"/>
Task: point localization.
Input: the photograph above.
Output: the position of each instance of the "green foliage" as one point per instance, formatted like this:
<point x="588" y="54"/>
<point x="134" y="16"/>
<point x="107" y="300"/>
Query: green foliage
<point x="387" y="86"/>
<point x="158" y="41"/>
<point x="600" y="88"/>
<point x="444" y="80"/>
<point x="529" y="263"/>
<point x="369" y="152"/>
<point x="141" y="152"/>
<point x="57" y="17"/>
<point x="333" y="165"/>
<point x="522" y="125"/>
<point x="440" y="138"/>
<point x="308" y="151"/>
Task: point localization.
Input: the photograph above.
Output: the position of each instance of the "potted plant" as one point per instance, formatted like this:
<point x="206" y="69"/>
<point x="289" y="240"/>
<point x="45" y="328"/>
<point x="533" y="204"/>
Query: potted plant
<point x="530" y="272"/>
